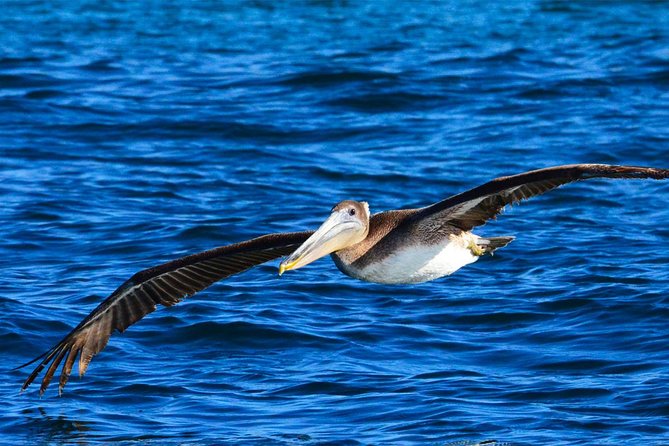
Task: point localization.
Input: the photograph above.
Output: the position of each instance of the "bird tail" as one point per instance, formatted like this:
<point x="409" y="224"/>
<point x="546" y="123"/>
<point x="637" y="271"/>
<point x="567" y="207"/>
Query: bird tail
<point x="491" y="244"/>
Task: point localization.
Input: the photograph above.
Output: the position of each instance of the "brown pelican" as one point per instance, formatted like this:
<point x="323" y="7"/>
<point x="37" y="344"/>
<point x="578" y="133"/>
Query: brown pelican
<point x="399" y="246"/>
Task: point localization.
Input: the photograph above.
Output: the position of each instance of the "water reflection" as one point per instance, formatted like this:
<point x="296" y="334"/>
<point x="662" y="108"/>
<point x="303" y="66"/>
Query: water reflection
<point x="42" y="428"/>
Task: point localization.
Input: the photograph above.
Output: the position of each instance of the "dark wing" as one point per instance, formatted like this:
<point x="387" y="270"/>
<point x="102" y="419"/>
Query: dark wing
<point x="474" y="207"/>
<point x="166" y="284"/>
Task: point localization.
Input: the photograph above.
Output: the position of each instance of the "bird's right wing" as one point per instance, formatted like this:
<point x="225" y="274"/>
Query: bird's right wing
<point x="166" y="284"/>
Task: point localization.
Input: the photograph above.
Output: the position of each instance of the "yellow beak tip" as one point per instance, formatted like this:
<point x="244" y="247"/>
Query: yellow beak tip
<point x="283" y="267"/>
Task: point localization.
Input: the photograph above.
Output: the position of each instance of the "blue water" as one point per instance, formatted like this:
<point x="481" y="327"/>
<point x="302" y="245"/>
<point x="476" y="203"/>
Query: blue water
<point x="132" y="133"/>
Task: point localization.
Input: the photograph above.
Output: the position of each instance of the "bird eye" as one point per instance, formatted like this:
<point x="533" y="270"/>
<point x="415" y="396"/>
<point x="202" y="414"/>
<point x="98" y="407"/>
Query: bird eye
<point x="351" y="212"/>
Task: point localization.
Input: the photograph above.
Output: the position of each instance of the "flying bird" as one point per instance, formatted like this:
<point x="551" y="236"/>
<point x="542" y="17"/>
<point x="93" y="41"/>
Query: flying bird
<point x="393" y="247"/>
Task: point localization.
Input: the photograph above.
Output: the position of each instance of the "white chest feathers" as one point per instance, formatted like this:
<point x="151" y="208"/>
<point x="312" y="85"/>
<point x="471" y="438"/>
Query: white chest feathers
<point x="420" y="263"/>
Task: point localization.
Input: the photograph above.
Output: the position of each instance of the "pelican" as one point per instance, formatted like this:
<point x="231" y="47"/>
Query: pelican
<point x="394" y="247"/>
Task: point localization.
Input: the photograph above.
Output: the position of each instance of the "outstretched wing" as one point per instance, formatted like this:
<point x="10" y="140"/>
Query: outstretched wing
<point x="476" y="206"/>
<point x="166" y="284"/>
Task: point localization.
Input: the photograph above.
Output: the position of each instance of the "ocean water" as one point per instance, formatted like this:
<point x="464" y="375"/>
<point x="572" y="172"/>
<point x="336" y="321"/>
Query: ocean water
<point x="132" y="133"/>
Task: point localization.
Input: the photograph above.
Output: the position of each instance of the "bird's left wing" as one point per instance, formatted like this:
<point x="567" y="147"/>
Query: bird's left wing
<point x="165" y="284"/>
<point x="476" y="206"/>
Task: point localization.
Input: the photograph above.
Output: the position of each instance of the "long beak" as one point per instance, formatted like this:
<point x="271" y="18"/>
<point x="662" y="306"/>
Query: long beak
<point x="334" y="234"/>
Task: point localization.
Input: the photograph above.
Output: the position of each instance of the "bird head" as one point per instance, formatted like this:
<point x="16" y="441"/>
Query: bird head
<point x="347" y="225"/>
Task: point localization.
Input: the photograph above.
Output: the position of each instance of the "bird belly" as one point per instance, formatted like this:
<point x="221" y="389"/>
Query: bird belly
<point x="417" y="263"/>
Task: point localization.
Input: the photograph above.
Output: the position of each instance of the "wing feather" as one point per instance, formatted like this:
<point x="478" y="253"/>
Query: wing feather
<point x="166" y="284"/>
<point x="476" y="206"/>
<point x="67" y="367"/>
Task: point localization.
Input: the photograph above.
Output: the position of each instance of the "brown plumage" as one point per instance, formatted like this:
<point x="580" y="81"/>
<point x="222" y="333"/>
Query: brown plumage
<point x="166" y="284"/>
<point x="379" y="236"/>
<point x="476" y="206"/>
<point x="390" y="230"/>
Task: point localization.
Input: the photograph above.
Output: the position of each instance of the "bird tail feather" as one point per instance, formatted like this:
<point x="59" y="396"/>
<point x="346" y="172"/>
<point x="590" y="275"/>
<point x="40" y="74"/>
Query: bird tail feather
<point x="490" y="244"/>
